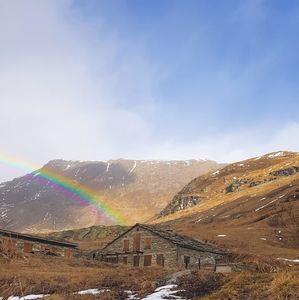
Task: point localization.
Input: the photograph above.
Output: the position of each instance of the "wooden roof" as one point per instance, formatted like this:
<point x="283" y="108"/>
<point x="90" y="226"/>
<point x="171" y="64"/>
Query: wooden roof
<point x="37" y="239"/>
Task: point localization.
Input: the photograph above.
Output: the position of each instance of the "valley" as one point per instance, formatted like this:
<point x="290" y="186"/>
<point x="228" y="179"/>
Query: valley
<point x="249" y="208"/>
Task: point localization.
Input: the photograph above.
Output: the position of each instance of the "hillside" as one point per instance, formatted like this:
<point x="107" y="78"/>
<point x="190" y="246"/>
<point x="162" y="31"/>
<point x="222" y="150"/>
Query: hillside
<point x="137" y="189"/>
<point x="90" y="238"/>
<point x="249" y="206"/>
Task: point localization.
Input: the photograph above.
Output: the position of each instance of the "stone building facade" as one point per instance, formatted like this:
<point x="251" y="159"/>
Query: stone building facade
<point x="17" y="242"/>
<point x="144" y="245"/>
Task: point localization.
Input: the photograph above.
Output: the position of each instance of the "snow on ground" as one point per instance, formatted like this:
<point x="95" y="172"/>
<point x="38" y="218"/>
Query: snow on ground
<point x="41" y="296"/>
<point x="261" y="207"/>
<point x="130" y="295"/>
<point x="216" y="172"/>
<point x="276" y="154"/>
<point x="92" y="292"/>
<point x="134" y="166"/>
<point x="163" y="292"/>
<point x="290" y="260"/>
<point x="28" y="297"/>
<point x="187" y="162"/>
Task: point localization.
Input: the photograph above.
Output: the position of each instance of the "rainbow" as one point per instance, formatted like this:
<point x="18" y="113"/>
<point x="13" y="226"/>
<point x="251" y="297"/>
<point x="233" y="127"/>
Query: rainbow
<point x="79" y="193"/>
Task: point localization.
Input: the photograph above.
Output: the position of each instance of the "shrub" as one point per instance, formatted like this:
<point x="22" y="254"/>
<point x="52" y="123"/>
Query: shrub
<point x="285" y="285"/>
<point x="199" y="283"/>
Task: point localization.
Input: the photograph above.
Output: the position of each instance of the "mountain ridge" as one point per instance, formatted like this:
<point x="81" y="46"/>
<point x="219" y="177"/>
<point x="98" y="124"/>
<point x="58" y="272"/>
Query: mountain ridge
<point x="139" y="189"/>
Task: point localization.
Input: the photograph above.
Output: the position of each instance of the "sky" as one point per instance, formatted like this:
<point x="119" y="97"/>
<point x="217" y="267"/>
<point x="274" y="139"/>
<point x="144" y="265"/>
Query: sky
<point x="100" y="80"/>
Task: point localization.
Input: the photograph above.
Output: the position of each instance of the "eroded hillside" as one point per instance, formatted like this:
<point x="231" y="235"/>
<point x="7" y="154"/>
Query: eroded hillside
<point x="250" y="205"/>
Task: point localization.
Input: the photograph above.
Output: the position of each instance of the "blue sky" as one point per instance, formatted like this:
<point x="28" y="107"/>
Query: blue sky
<point x="217" y="65"/>
<point x="95" y="80"/>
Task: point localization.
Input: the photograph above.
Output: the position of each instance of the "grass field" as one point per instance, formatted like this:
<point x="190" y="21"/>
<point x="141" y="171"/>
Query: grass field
<point x="56" y="275"/>
<point x="62" y="279"/>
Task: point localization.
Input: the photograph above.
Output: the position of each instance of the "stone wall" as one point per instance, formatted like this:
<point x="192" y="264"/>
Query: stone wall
<point x="173" y="254"/>
<point x="17" y="245"/>
<point x="159" y="246"/>
<point x="197" y="259"/>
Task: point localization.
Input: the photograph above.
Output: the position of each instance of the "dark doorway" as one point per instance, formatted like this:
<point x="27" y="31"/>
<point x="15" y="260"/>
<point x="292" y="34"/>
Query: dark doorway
<point x="160" y="260"/>
<point x="136" y="261"/>
<point x="28" y="247"/>
<point x="126" y="247"/>
<point x="137" y="242"/>
<point x="186" y="261"/>
<point x="147" y="260"/>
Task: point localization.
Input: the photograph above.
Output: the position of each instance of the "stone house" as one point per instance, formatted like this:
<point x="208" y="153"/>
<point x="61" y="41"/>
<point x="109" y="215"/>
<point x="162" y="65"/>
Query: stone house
<point x="146" y="245"/>
<point x="11" y="241"/>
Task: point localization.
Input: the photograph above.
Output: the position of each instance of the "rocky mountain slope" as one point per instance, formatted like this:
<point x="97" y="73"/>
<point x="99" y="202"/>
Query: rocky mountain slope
<point x="138" y="189"/>
<point x="251" y="205"/>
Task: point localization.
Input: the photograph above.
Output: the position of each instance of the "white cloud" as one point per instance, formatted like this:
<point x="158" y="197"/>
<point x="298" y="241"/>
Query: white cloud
<point x="62" y="87"/>
<point x="72" y="88"/>
<point x="233" y="146"/>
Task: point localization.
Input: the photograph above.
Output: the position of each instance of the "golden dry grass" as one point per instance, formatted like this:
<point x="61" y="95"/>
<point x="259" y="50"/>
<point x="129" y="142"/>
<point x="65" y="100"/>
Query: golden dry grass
<point x="61" y="278"/>
<point x="241" y="286"/>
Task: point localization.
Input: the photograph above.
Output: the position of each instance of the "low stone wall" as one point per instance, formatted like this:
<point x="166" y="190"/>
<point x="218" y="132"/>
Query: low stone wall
<point x="223" y="268"/>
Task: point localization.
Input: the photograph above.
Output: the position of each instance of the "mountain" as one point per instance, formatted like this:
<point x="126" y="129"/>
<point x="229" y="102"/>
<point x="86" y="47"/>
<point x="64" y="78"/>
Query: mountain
<point x="251" y="205"/>
<point x="138" y="189"/>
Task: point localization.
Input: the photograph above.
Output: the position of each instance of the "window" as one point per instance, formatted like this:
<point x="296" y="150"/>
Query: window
<point x="137" y="240"/>
<point x="160" y="260"/>
<point x="112" y="259"/>
<point x="147" y="243"/>
<point x="27" y="247"/>
<point x="125" y="260"/>
<point x="147" y="260"/>
<point x="186" y="261"/>
<point x="9" y="245"/>
<point x="136" y="261"/>
<point x="126" y="246"/>
<point x="68" y="253"/>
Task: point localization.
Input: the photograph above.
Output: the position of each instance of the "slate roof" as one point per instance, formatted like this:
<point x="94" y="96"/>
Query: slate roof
<point x="37" y="239"/>
<point x="177" y="239"/>
<point x="183" y="240"/>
